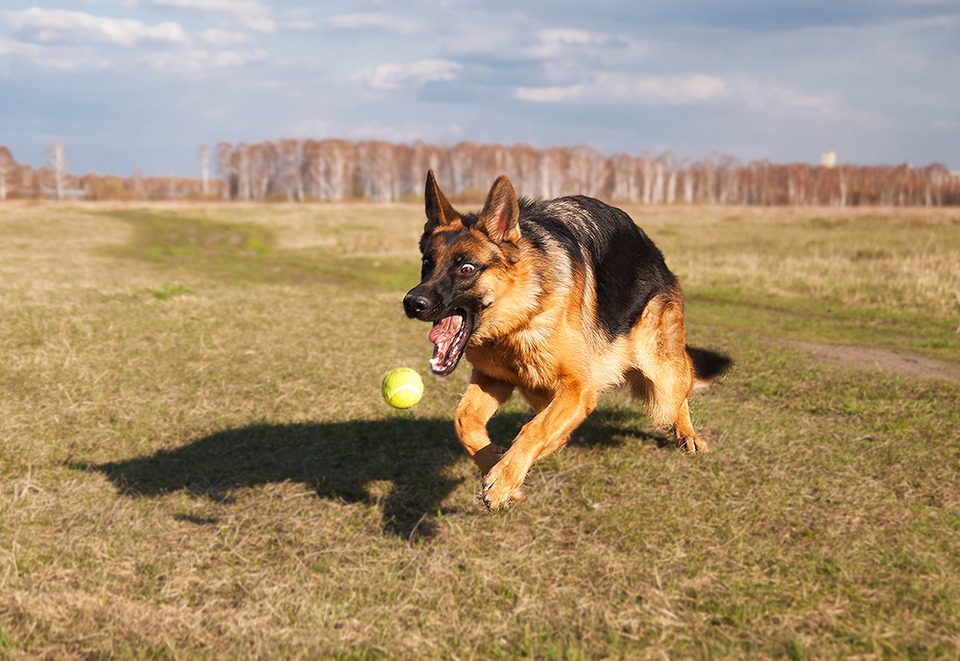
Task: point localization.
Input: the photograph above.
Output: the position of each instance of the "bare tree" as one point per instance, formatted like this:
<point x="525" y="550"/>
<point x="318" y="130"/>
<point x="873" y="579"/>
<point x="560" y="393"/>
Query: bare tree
<point x="624" y="175"/>
<point x="136" y="181"/>
<point x="586" y="171"/>
<point x="7" y="164"/>
<point x="670" y="165"/>
<point x="289" y="181"/>
<point x="57" y="159"/>
<point x="381" y="171"/>
<point x="461" y="164"/>
<point x="552" y="172"/>
<point x="310" y="169"/>
<point x="938" y="177"/>
<point x="522" y="162"/>
<point x="172" y="190"/>
<point x="376" y="163"/>
<point x="262" y="163"/>
<point x="340" y="164"/>
<point x="687" y="177"/>
<point x="647" y="168"/>
<point x="729" y="175"/>
<point x="241" y="159"/>
<point x="227" y="169"/>
<point x="710" y="177"/>
<point x="203" y="156"/>
<point x="329" y="169"/>
<point x="658" y="182"/>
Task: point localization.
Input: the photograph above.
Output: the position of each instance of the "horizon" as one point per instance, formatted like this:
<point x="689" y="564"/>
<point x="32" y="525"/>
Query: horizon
<point x="130" y="84"/>
<point x="697" y="159"/>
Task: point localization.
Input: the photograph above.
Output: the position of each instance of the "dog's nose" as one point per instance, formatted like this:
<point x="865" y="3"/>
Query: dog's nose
<point x="415" y="305"/>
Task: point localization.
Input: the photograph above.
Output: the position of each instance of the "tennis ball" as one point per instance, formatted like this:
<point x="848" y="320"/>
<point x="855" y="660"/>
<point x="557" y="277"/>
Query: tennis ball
<point x="402" y="388"/>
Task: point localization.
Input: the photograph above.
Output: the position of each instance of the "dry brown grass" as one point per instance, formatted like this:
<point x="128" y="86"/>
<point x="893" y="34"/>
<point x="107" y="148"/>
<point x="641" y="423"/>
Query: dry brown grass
<point x="196" y="461"/>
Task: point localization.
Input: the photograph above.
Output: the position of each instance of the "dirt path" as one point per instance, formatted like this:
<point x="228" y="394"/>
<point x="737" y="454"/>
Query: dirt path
<point x="881" y="360"/>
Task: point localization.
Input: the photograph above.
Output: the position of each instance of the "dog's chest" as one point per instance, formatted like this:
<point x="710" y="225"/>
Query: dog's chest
<point x="525" y="358"/>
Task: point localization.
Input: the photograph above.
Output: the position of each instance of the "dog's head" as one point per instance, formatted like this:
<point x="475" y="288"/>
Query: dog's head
<point x="463" y="268"/>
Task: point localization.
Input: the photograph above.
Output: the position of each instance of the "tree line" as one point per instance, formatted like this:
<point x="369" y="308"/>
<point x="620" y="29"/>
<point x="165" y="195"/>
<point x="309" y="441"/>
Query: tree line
<point x="54" y="180"/>
<point x="338" y="170"/>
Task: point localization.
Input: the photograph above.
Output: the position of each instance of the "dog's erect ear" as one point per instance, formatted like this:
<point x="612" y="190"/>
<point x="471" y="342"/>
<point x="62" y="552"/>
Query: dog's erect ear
<point x="439" y="211"/>
<point x="500" y="218"/>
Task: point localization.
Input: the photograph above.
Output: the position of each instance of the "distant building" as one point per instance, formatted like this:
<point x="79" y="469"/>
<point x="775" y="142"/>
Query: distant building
<point x="828" y="158"/>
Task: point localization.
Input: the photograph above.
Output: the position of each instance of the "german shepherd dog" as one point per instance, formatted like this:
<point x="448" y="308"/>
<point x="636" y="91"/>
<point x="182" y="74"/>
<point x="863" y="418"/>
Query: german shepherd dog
<point x="560" y="299"/>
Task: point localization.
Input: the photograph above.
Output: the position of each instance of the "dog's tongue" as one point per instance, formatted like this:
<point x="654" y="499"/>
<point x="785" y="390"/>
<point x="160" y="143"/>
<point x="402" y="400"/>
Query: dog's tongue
<point x="446" y="329"/>
<point x="443" y="335"/>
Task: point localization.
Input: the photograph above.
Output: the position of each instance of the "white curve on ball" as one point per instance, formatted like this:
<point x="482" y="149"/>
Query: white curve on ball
<point x="406" y="386"/>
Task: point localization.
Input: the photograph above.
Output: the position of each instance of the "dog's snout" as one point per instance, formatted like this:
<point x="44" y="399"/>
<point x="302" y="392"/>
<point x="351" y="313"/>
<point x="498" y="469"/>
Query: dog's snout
<point x="415" y="304"/>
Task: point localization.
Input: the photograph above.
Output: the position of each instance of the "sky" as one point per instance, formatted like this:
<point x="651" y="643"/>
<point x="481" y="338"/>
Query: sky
<point x="144" y="83"/>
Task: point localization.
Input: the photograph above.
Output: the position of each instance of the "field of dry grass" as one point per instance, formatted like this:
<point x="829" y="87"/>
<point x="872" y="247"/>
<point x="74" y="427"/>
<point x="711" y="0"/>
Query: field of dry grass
<point x="195" y="460"/>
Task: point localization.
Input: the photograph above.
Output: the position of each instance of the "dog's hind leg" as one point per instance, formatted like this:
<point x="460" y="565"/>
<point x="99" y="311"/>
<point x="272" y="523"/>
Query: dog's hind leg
<point x="687" y="437"/>
<point x="663" y="374"/>
<point x="668" y="404"/>
<point x="483" y="397"/>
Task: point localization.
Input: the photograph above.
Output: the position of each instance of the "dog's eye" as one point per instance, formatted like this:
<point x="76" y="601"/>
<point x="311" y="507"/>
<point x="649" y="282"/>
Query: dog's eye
<point x="467" y="269"/>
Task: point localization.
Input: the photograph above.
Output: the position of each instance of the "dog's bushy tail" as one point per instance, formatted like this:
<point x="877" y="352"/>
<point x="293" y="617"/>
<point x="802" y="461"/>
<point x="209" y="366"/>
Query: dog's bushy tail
<point x="707" y="366"/>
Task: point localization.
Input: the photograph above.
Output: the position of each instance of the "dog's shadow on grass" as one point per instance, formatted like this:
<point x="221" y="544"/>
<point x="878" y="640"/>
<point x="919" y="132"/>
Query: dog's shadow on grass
<point x="338" y="460"/>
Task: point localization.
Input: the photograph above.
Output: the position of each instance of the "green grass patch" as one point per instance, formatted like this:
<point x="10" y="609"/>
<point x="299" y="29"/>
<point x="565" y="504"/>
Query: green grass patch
<point x="815" y="320"/>
<point x="247" y="252"/>
<point x="197" y="462"/>
<point x="170" y="290"/>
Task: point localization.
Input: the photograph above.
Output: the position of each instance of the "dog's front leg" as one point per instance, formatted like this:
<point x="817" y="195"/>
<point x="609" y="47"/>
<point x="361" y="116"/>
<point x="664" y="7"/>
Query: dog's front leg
<point x="546" y="433"/>
<point x="483" y="397"/>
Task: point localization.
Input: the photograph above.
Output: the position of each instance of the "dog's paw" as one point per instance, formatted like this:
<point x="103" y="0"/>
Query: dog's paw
<point x="692" y="444"/>
<point x="499" y="488"/>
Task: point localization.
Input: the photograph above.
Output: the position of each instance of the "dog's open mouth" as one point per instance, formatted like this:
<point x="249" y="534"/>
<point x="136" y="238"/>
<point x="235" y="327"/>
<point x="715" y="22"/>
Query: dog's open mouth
<point x="449" y="336"/>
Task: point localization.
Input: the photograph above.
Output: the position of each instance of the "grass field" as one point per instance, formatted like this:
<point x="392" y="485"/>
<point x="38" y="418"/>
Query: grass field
<point x="195" y="461"/>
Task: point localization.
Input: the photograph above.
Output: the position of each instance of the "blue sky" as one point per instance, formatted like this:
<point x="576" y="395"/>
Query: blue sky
<point x="144" y="83"/>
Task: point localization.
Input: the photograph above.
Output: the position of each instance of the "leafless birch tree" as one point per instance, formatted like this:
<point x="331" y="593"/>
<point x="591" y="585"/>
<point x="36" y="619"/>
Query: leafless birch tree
<point x="57" y="159"/>
<point x="203" y="157"/>
<point x="6" y="166"/>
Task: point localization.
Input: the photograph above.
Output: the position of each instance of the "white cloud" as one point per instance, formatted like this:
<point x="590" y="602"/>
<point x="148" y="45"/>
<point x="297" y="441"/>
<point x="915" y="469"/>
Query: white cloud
<point x="554" y="43"/>
<point x="249" y="14"/>
<point x="395" y="76"/>
<point x="198" y="62"/>
<point x="18" y="48"/>
<point x="62" y="26"/>
<point x="766" y="97"/>
<point x="648" y="90"/>
<point x="229" y="59"/>
<point x="373" y="21"/>
<point x="679" y="89"/>
<point x="566" y="37"/>
<point x="76" y="41"/>
<point x="772" y="97"/>
<point x="409" y="132"/>
<point x="224" y="38"/>
<point x="776" y="99"/>
<point x="45" y="57"/>
<point x="551" y="94"/>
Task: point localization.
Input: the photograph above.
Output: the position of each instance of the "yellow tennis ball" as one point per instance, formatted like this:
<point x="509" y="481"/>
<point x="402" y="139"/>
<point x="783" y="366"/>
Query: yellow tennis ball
<point x="402" y="388"/>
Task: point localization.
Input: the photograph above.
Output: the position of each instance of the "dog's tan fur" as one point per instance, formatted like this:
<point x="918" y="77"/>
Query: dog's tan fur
<point x="538" y="334"/>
